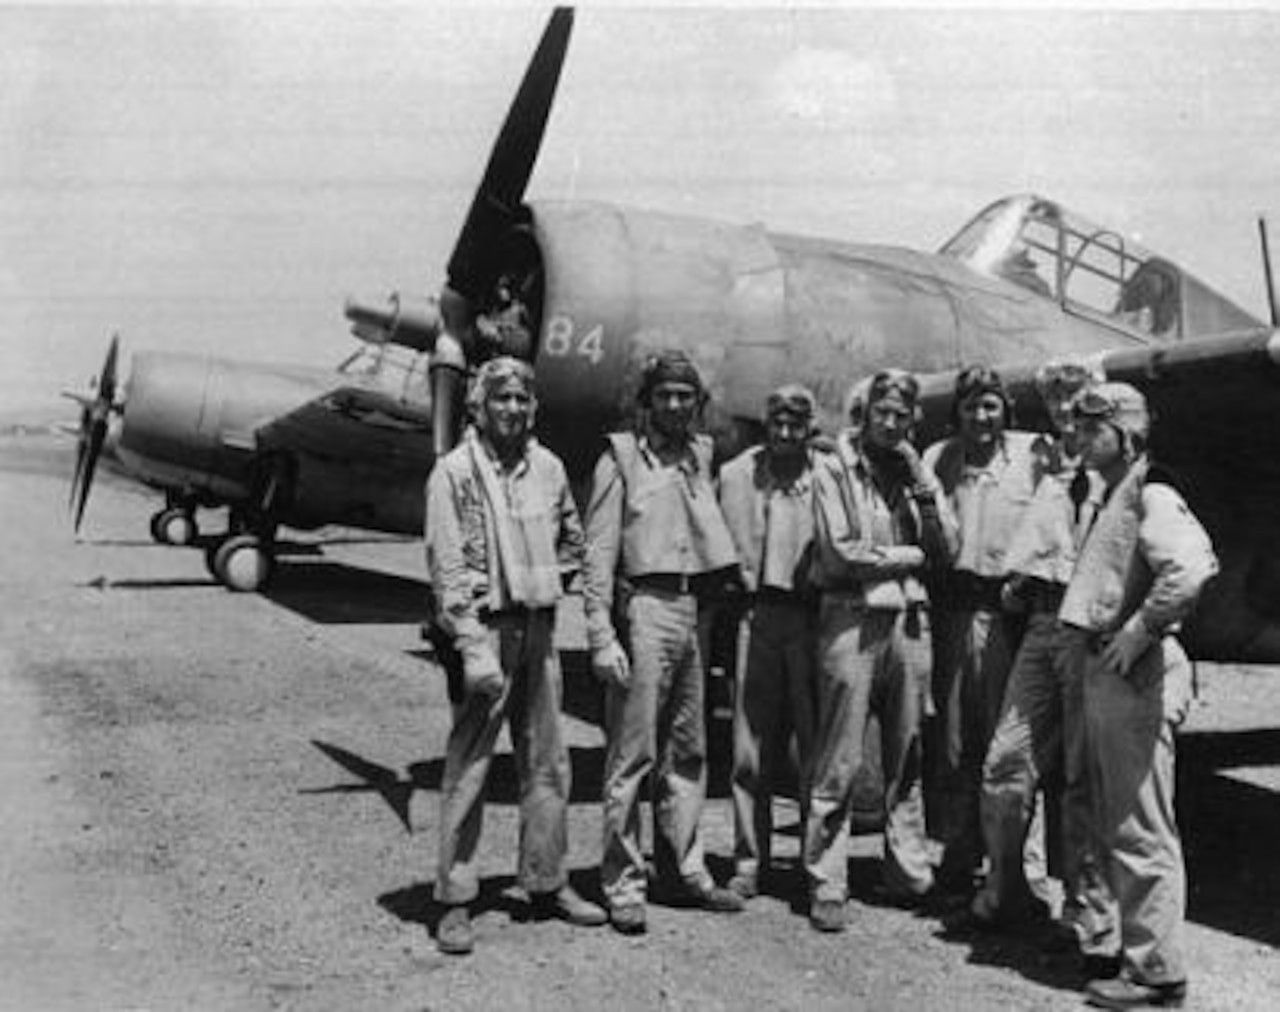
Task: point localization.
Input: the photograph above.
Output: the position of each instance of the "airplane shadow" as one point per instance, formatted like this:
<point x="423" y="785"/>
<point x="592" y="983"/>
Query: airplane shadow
<point x="1229" y="829"/>
<point x="502" y="787"/>
<point x="1229" y="832"/>
<point x="333" y="593"/>
<point x="177" y="583"/>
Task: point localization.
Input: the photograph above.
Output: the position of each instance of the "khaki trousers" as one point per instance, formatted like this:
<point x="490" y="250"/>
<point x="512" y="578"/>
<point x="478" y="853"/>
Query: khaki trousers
<point x="973" y="653"/>
<point x="655" y="725"/>
<point x="869" y="661"/>
<point x="1129" y="723"/>
<point x="1041" y="733"/>
<point x="775" y="699"/>
<point x="530" y="703"/>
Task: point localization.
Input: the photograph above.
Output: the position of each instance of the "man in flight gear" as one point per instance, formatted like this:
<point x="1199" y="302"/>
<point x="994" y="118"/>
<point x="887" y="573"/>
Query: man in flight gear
<point x="1040" y="735"/>
<point x="880" y="520"/>
<point x="766" y="495"/>
<point x="654" y="526"/>
<point x="989" y="474"/>
<point x="1143" y="560"/>
<point x="502" y="537"/>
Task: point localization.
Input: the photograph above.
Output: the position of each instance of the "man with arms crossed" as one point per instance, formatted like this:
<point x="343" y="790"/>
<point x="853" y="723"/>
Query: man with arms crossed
<point x="879" y="520"/>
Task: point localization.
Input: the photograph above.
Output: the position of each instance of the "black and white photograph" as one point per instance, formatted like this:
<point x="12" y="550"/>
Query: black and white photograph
<point x="662" y="506"/>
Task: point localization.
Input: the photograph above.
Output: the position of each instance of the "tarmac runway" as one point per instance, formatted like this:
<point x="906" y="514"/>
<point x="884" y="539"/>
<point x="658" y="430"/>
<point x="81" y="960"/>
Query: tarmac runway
<point x="221" y="801"/>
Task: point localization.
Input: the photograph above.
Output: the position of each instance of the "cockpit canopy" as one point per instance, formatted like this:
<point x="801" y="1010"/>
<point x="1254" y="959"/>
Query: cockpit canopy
<point x="1091" y="271"/>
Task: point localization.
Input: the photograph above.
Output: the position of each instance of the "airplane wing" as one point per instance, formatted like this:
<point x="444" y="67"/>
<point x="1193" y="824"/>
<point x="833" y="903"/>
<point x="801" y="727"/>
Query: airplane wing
<point x="357" y="423"/>
<point x="1215" y="405"/>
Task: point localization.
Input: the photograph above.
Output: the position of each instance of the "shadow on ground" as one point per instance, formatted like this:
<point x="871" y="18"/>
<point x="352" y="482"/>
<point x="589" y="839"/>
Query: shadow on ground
<point x="502" y="787"/>
<point x="1230" y="831"/>
<point x="416" y="904"/>
<point x="332" y="593"/>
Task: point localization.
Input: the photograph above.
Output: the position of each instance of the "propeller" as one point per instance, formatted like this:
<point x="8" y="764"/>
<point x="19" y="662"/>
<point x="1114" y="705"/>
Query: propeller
<point x="498" y="198"/>
<point x="496" y="206"/>
<point x="95" y="416"/>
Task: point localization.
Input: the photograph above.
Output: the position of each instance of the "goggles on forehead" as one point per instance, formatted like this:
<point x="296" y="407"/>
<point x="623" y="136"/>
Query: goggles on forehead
<point x="894" y="382"/>
<point x="1064" y="379"/>
<point x="1094" y="404"/>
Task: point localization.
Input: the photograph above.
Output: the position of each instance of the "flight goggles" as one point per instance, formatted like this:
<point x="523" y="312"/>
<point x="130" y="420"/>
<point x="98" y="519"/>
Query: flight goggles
<point x="1060" y="380"/>
<point x="1118" y="403"/>
<point x="791" y="400"/>
<point x="1094" y="404"/>
<point x="894" y="382"/>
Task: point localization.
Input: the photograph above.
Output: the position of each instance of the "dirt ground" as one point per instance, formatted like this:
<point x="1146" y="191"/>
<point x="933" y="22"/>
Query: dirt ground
<point x="217" y="801"/>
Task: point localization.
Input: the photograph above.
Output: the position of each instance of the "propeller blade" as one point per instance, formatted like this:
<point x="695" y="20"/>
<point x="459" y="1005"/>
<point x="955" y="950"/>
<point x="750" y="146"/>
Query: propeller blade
<point x="95" y="419"/>
<point x="82" y="450"/>
<point x="511" y="161"/>
<point x="107" y="380"/>
<point x="97" y="436"/>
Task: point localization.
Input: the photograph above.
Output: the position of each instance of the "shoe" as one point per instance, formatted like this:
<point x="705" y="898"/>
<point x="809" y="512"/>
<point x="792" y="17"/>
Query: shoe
<point x="454" y="934"/>
<point x="628" y="919"/>
<point x="828" y="915"/>
<point x="745" y="885"/>
<point x="1101" y="967"/>
<point x="716" y="899"/>
<point x="565" y="904"/>
<point x="1124" y="992"/>
<point x="693" y="894"/>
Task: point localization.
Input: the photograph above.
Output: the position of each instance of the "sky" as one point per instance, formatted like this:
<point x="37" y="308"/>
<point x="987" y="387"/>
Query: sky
<point x="219" y="177"/>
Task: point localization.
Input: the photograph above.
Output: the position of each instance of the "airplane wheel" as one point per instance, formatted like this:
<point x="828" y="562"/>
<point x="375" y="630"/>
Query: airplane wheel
<point x="174" y="527"/>
<point x="241" y="564"/>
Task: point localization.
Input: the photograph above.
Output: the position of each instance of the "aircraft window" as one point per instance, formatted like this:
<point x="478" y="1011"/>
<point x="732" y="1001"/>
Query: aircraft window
<point x="398" y="371"/>
<point x="1032" y="258"/>
<point x="1149" y="299"/>
<point x="1093" y="269"/>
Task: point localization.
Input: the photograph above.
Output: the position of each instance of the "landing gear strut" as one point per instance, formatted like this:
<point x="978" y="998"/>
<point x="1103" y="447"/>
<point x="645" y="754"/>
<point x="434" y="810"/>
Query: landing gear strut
<point x="244" y="559"/>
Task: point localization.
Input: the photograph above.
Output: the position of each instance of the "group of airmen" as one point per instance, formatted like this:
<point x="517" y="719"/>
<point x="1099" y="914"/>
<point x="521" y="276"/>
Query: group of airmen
<point x="1005" y="604"/>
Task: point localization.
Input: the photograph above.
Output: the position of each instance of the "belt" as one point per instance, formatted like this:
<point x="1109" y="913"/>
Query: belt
<point x="778" y="595"/>
<point x="854" y="600"/>
<point x="967" y="591"/>
<point x="1042" y="595"/>
<point x="511" y="612"/>
<point x="676" y="583"/>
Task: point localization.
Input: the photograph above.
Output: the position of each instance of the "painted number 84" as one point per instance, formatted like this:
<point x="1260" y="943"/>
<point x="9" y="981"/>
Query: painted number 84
<point x="560" y="339"/>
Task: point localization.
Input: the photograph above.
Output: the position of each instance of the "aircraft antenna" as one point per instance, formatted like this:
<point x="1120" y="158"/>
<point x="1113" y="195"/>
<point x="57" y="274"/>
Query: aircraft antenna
<point x="1266" y="269"/>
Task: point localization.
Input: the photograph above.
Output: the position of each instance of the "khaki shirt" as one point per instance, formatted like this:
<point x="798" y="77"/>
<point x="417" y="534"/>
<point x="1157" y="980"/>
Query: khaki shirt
<point x="534" y="516"/>
<point x="771" y="521"/>
<point x="1142" y="551"/>
<point x="870" y="546"/>
<point x="989" y="500"/>
<point x="669" y="522"/>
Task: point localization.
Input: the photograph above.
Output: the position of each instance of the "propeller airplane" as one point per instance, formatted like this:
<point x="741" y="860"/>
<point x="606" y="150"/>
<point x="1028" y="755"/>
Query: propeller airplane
<point x="586" y="290"/>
